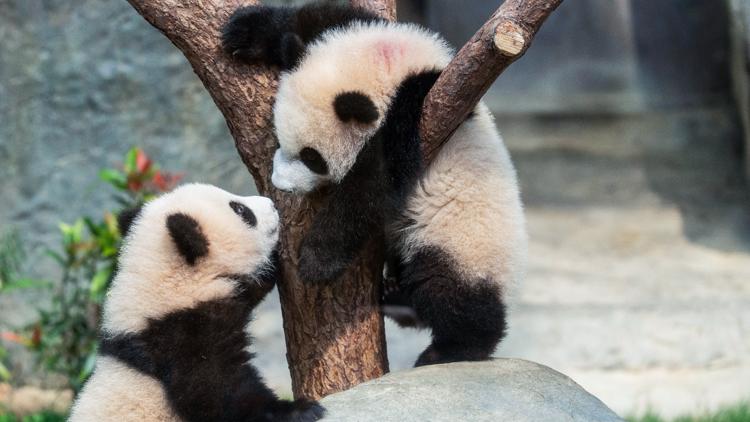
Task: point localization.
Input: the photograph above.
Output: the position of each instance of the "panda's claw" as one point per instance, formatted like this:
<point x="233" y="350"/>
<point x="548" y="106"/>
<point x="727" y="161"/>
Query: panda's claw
<point x="303" y="410"/>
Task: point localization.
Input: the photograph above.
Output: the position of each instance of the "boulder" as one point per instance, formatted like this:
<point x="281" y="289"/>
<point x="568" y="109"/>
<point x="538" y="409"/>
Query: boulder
<point x="508" y="390"/>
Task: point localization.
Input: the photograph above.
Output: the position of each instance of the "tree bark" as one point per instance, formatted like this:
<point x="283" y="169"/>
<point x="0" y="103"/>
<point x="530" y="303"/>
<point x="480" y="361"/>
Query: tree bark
<point x="384" y="8"/>
<point x="334" y="333"/>
<point x="503" y="39"/>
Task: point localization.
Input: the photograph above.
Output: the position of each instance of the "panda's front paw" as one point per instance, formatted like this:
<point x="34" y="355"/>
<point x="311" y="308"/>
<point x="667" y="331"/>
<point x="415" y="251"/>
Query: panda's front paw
<point x="249" y="34"/>
<point x="320" y="264"/>
<point x="303" y="411"/>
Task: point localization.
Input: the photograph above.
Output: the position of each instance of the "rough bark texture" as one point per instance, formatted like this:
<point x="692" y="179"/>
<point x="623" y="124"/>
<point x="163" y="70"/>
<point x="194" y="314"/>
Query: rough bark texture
<point x="499" y="42"/>
<point x="335" y="335"/>
<point x="384" y="8"/>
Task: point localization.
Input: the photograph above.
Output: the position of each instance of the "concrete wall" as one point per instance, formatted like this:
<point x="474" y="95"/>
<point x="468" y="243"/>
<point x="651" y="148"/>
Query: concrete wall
<point x="740" y="28"/>
<point x="595" y="56"/>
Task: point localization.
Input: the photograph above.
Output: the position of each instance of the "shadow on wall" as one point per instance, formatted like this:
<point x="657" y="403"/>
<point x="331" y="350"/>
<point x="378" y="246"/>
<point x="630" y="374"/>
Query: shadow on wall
<point x="684" y="159"/>
<point x="705" y="179"/>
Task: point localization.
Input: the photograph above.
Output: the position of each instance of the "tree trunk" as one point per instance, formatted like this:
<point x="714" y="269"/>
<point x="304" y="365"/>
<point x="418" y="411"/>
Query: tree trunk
<point x="334" y="333"/>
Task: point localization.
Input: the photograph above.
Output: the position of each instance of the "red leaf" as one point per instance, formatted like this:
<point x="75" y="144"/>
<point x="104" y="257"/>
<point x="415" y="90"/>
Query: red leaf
<point x="12" y="337"/>
<point x="142" y="161"/>
<point x="36" y="336"/>
<point x="165" y="181"/>
<point x="134" y="185"/>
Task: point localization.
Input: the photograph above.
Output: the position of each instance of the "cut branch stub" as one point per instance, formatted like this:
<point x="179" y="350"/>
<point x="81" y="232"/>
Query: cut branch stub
<point x="509" y="39"/>
<point x="497" y="44"/>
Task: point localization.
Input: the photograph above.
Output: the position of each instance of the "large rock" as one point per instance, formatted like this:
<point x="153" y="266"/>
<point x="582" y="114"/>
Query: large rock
<point x="508" y="390"/>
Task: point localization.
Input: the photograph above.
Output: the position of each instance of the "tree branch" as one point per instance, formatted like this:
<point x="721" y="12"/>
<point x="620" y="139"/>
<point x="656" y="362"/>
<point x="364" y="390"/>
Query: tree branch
<point x="503" y="39"/>
<point x="384" y="8"/>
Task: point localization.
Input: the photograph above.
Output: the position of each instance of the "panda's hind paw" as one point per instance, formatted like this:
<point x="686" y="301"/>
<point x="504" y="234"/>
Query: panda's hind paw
<point x="303" y="410"/>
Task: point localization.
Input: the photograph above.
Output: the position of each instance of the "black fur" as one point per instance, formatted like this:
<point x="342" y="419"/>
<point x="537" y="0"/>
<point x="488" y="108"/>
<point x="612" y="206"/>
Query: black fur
<point x="374" y="189"/>
<point x="278" y="35"/>
<point x="247" y="215"/>
<point x="187" y="236"/>
<point x="467" y="316"/>
<point x="352" y="215"/>
<point x="199" y="355"/>
<point x="126" y="218"/>
<point x="402" y="144"/>
<point x="355" y="106"/>
<point x="311" y="158"/>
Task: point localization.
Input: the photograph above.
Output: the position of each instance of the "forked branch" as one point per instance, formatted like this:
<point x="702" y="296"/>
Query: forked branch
<point x="334" y="334"/>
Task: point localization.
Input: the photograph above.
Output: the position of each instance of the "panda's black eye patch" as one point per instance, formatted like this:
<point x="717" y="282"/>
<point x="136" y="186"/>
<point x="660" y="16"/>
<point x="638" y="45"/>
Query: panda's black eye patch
<point x="313" y="160"/>
<point x="245" y="213"/>
<point x="355" y="106"/>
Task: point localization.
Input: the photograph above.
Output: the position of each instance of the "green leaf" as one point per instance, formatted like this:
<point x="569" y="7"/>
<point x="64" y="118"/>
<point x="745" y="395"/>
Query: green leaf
<point x="99" y="283"/>
<point x="56" y="256"/>
<point x="93" y="227"/>
<point x="4" y="373"/>
<point x="88" y="367"/>
<point x="130" y="160"/>
<point x="114" y="178"/>
<point x="25" y="283"/>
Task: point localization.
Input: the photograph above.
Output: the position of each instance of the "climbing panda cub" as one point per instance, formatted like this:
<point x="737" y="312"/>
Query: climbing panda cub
<point x="346" y="116"/>
<point x="194" y="264"/>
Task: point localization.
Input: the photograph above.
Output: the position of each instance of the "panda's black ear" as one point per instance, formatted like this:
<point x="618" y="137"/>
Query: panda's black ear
<point x="355" y="106"/>
<point x="292" y="49"/>
<point x="187" y="236"/>
<point x="126" y="218"/>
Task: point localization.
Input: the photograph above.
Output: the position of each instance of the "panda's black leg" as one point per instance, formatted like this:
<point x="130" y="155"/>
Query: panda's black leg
<point x="395" y="300"/>
<point x="467" y="316"/>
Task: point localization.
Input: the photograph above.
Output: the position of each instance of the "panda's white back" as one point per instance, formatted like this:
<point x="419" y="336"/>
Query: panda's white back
<point x="468" y="203"/>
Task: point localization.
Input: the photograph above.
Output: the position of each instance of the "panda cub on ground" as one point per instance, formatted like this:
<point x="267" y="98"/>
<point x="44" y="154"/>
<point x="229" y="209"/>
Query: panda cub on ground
<point x="346" y="115"/>
<point x="194" y="264"/>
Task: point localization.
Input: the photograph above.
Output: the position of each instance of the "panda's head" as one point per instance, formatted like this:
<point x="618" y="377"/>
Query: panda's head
<point x="334" y="101"/>
<point x="193" y="244"/>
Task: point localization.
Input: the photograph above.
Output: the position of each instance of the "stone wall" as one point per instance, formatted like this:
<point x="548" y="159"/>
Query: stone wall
<point x="80" y="83"/>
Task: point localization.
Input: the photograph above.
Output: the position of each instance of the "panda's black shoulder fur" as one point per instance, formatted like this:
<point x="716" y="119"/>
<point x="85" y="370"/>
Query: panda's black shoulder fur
<point x="279" y="35"/>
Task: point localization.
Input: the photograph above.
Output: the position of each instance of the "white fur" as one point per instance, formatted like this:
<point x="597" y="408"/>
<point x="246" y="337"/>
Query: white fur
<point x="371" y="58"/>
<point x="468" y="204"/>
<point x="116" y="392"/>
<point x="291" y="175"/>
<point x="154" y="280"/>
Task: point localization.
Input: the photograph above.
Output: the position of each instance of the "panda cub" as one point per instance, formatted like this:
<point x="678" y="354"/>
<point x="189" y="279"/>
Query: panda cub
<point x="194" y="264"/>
<point x="347" y="117"/>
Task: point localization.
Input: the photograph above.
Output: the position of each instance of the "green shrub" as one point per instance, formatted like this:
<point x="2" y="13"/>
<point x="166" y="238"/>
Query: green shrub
<point x="737" y="413"/>
<point x="38" y="417"/>
<point x="64" y="338"/>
